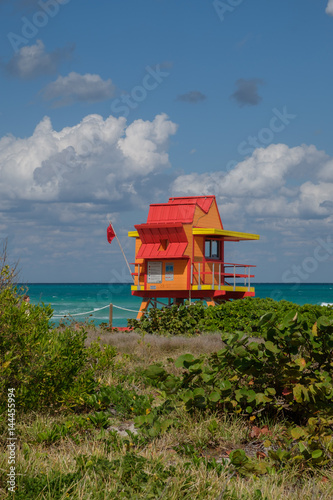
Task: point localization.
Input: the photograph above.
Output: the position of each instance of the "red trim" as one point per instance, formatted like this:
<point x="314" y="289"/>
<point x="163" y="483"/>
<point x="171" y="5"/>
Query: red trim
<point x="158" y="225"/>
<point x="196" y="294"/>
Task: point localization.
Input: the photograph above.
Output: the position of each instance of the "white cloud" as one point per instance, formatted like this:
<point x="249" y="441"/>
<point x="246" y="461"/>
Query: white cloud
<point x="329" y="8"/>
<point x="58" y="189"/>
<point x="32" y="61"/>
<point x="276" y="182"/>
<point x="75" y="87"/>
<point x="94" y="161"/>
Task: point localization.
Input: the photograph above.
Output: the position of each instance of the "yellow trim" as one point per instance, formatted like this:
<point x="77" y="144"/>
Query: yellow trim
<point x="226" y="288"/>
<point x="133" y="234"/>
<point x="209" y="287"/>
<point x="203" y="231"/>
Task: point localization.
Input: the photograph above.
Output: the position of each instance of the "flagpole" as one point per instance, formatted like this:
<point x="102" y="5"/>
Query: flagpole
<point x="122" y="251"/>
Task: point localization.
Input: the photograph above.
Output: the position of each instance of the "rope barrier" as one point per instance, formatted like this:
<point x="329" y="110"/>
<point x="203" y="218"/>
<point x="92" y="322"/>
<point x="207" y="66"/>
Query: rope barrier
<point x="90" y="312"/>
<point x="124" y="309"/>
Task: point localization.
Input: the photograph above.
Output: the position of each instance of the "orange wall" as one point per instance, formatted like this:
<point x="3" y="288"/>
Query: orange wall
<point x="180" y="276"/>
<point x="211" y="219"/>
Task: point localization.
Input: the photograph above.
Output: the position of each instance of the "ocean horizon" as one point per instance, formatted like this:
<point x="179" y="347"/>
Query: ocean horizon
<point x="91" y="301"/>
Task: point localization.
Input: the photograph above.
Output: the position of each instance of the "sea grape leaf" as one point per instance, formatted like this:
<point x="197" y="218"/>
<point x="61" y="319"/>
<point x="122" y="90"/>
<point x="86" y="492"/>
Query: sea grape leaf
<point x="179" y="363"/>
<point x="154" y="371"/>
<point x="266" y="318"/>
<point x="297" y="432"/>
<point x="214" y="397"/>
<point x="199" y="391"/>
<point x="238" y="457"/>
<point x="272" y="347"/>
<point x="225" y="385"/>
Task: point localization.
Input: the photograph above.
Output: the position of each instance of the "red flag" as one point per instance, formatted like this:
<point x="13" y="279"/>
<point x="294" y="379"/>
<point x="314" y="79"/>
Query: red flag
<point x="110" y="233"/>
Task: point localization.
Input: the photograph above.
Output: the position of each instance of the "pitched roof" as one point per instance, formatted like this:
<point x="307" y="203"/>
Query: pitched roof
<point x="178" y="209"/>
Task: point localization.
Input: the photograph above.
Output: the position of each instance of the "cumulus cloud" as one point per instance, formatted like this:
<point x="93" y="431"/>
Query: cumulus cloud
<point x="276" y="182"/>
<point x="246" y="93"/>
<point x="329" y="8"/>
<point x="58" y="189"/>
<point x="94" y="161"/>
<point x="78" y="88"/>
<point x="192" y="97"/>
<point x="32" y="61"/>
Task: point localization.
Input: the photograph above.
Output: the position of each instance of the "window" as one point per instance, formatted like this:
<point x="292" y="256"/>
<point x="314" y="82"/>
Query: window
<point x="164" y="245"/>
<point x="212" y="249"/>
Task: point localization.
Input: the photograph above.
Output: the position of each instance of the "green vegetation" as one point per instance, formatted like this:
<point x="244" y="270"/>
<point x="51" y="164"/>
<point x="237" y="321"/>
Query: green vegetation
<point x="144" y="416"/>
<point x="241" y="315"/>
<point x="288" y="374"/>
<point x="47" y="368"/>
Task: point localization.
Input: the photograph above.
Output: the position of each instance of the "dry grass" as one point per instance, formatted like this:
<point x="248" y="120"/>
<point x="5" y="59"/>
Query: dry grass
<point x="131" y="343"/>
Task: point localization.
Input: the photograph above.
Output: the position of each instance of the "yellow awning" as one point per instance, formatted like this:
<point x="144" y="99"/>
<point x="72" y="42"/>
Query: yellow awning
<point x="227" y="235"/>
<point x="133" y="234"/>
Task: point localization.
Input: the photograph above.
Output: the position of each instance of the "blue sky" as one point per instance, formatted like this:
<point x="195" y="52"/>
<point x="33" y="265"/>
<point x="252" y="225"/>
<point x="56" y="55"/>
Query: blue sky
<point x="109" y="106"/>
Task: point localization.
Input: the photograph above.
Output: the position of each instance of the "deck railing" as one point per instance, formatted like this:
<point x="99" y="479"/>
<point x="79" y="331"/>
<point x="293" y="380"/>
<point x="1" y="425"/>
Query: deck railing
<point x="218" y="274"/>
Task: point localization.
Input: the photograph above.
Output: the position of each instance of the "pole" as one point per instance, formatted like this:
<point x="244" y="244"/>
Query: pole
<point x="122" y="251"/>
<point x="110" y="315"/>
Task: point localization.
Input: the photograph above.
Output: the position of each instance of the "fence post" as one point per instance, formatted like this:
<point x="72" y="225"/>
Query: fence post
<point x="110" y="315"/>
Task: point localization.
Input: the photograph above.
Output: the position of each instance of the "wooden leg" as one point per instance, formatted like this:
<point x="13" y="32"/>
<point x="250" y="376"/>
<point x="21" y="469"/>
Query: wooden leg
<point x="144" y="306"/>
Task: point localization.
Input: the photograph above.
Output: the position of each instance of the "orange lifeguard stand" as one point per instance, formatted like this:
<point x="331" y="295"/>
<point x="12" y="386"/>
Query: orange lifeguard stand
<point x="179" y="254"/>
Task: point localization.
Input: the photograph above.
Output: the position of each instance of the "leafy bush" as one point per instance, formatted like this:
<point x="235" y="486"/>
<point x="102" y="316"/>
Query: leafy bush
<point x="289" y="371"/>
<point x="242" y="315"/>
<point x="172" y="320"/>
<point x="45" y="367"/>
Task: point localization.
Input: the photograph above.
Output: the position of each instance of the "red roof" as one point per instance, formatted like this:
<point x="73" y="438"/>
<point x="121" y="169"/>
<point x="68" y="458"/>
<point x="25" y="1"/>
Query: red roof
<point x="178" y="209"/>
<point x="152" y="251"/>
<point x="204" y="202"/>
<point x="152" y="235"/>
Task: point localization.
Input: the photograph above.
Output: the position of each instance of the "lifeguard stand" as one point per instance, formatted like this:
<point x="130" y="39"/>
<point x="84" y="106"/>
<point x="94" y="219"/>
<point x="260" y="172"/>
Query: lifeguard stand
<point x="179" y="254"/>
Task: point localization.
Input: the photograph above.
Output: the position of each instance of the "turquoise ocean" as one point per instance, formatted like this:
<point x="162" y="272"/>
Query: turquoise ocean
<point x="91" y="300"/>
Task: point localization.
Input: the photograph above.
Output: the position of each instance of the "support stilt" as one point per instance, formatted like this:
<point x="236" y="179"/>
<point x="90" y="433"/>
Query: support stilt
<point x="144" y="306"/>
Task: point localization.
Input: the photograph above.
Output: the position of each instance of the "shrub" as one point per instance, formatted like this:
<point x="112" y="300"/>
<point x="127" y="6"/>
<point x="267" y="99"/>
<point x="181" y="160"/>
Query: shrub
<point x="174" y="320"/>
<point x="289" y="371"/>
<point x="242" y="315"/>
<point x="44" y="366"/>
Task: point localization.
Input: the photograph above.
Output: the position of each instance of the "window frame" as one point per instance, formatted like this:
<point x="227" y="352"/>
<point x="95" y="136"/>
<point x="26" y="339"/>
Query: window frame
<point x="210" y="241"/>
